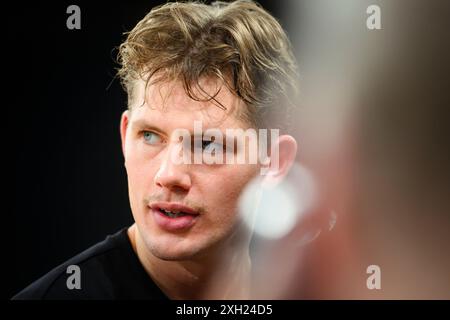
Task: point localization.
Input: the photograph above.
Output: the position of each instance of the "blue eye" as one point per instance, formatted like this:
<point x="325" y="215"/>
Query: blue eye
<point x="151" y="137"/>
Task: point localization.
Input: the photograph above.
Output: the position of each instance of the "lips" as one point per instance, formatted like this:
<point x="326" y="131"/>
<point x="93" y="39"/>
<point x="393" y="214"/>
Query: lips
<point x="173" y="208"/>
<point x="173" y="216"/>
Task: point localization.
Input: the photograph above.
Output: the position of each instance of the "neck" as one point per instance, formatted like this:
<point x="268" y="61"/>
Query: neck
<point x="224" y="274"/>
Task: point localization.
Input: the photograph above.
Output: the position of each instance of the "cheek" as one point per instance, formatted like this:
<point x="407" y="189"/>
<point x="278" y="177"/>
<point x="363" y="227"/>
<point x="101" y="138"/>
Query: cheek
<point x="140" y="172"/>
<point x="140" y="183"/>
<point x="224" y="188"/>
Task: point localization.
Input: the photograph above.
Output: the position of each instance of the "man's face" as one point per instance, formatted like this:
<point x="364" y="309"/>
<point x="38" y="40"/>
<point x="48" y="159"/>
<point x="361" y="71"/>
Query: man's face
<point x="154" y="180"/>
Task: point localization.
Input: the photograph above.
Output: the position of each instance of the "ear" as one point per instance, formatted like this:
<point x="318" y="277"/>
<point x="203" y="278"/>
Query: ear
<point x="123" y="128"/>
<point x="283" y="154"/>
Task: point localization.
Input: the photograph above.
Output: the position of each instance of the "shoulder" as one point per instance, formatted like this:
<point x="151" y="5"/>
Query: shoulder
<point x="91" y="267"/>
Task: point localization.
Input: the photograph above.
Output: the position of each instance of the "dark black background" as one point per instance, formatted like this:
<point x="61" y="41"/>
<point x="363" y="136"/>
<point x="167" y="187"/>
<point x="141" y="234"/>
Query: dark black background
<point x="61" y="130"/>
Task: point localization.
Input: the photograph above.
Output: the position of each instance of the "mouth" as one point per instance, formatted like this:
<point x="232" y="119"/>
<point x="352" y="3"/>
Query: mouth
<point x="174" y="210"/>
<point x="173" y="216"/>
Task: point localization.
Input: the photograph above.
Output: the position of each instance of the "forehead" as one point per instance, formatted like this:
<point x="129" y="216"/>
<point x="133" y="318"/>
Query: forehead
<point x="167" y="103"/>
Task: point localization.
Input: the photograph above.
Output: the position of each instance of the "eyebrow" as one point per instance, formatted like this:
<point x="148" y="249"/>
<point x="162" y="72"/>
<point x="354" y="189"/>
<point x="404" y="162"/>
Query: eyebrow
<point x="143" y="124"/>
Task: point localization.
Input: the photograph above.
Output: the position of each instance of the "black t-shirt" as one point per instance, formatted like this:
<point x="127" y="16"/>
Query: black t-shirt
<point x="108" y="270"/>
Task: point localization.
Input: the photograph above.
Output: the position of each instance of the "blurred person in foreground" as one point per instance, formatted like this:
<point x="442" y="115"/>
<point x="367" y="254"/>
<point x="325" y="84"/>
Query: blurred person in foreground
<point x="385" y="172"/>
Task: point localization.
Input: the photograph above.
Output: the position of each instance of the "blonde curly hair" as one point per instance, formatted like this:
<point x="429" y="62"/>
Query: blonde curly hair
<point x="238" y="42"/>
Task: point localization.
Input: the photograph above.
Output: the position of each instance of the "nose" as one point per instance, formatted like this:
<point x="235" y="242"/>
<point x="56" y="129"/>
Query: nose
<point x="171" y="175"/>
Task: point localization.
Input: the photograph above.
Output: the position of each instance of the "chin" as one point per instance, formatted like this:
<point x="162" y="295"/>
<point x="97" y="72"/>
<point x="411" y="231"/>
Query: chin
<point x="170" y="250"/>
<point x="171" y="254"/>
